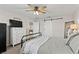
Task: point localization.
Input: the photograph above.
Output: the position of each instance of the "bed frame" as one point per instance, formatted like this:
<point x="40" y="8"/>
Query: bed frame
<point x="69" y="41"/>
<point x="31" y="36"/>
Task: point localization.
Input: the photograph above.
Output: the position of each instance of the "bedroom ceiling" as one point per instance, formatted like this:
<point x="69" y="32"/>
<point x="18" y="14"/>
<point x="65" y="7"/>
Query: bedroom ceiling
<point x="54" y="10"/>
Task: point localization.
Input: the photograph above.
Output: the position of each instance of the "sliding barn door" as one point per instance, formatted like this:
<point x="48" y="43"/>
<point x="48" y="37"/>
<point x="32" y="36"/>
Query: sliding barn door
<point x="54" y="28"/>
<point x="58" y="28"/>
<point x="48" y="28"/>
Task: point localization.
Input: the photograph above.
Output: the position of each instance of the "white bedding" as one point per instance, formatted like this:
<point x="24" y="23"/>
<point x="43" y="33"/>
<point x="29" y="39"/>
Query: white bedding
<point x="74" y="43"/>
<point x="46" y="45"/>
<point x="32" y="46"/>
<point x="55" y="45"/>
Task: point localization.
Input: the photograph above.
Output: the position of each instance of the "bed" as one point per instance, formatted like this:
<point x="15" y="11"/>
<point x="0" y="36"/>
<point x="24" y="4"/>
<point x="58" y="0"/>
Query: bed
<point x="49" y="45"/>
<point x="32" y="46"/>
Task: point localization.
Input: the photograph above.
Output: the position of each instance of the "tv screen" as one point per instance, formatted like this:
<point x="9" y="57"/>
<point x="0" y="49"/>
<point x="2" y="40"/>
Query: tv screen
<point x="15" y="23"/>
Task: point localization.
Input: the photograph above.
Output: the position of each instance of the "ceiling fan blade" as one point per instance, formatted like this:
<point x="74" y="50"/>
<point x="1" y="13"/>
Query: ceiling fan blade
<point x="41" y="11"/>
<point x="42" y="7"/>
<point x="29" y="10"/>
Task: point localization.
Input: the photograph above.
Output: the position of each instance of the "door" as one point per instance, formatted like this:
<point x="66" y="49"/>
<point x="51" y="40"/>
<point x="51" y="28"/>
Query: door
<point x="54" y="28"/>
<point x="48" y="28"/>
<point x="58" y="28"/>
<point x="2" y="37"/>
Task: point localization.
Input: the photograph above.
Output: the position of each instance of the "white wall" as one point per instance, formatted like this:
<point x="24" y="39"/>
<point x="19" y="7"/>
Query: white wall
<point x="76" y="16"/>
<point x="35" y="27"/>
<point x="5" y="16"/>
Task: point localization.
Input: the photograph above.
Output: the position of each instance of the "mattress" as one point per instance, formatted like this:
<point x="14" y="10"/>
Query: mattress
<point x="54" y="45"/>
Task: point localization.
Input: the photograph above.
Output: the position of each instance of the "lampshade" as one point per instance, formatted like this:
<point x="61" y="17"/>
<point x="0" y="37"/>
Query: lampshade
<point x="74" y="26"/>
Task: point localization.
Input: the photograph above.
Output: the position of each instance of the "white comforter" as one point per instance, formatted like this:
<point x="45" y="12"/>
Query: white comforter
<point x="55" y="45"/>
<point x="37" y="45"/>
<point x="32" y="46"/>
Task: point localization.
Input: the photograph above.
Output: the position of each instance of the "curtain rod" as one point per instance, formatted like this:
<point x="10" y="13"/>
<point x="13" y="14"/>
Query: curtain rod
<point x="50" y="19"/>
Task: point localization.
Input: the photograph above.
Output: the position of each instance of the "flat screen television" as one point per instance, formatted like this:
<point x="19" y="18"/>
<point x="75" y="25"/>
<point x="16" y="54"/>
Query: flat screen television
<point x="15" y="23"/>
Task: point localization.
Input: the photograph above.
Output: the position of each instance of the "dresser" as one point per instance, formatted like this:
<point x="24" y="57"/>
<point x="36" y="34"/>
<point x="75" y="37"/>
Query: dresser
<point x="16" y="35"/>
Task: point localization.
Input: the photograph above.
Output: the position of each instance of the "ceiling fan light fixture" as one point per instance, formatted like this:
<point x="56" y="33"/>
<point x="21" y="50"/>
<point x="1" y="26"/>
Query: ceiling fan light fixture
<point x="36" y="13"/>
<point x="37" y="10"/>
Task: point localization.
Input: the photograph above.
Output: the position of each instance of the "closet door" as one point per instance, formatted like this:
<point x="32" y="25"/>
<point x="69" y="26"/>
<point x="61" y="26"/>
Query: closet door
<point x="2" y="37"/>
<point x="58" y="28"/>
<point x="48" y="28"/>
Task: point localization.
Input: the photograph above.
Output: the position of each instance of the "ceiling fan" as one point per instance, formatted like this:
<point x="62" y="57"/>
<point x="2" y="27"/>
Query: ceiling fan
<point x="37" y="9"/>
